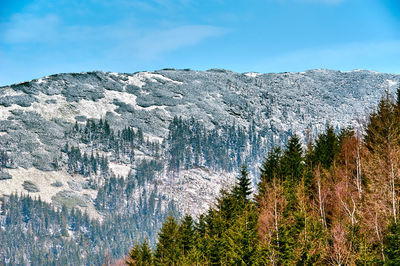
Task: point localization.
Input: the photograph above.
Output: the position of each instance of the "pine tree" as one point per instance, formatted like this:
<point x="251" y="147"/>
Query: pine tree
<point x="240" y="238"/>
<point x="383" y="127"/>
<point x="187" y="234"/>
<point x="64" y="217"/>
<point x="392" y="244"/>
<point x="326" y="147"/>
<point x="292" y="160"/>
<point x="269" y="171"/>
<point x="243" y="186"/>
<point x="168" y="250"/>
<point x="140" y="255"/>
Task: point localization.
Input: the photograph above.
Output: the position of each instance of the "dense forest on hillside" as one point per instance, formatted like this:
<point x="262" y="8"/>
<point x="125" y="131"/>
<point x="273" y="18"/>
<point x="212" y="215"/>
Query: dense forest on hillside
<point x="335" y="202"/>
<point x="37" y="232"/>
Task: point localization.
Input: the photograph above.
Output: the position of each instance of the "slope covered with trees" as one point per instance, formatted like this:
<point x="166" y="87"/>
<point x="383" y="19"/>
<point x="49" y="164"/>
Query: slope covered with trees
<point x="336" y="202"/>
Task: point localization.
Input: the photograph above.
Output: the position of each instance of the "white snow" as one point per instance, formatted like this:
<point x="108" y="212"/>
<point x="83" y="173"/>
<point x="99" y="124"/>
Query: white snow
<point x="41" y="80"/>
<point x="4" y="113"/>
<point x="43" y="180"/>
<point x="136" y="81"/>
<point x="125" y="97"/>
<point x="392" y="83"/>
<point x="10" y="92"/>
<point x="195" y="190"/>
<point x="120" y="169"/>
<point x="154" y="76"/>
<point x="153" y="138"/>
<point x="252" y="74"/>
<point x="152" y="107"/>
<point x="139" y="79"/>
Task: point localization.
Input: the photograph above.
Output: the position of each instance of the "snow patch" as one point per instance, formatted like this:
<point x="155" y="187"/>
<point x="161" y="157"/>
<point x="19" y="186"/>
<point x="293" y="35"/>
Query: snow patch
<point x="68" y="110"/>
<point x="136" y="81"/>
<point x="153" y="138"/>
<point x="130" y="99"/>
<point x="153" y="77"/>
<point x="252" y="74"/>
<point x="125" y="97"/>
<point x="140" y="79"/>
<point x="392" y="83"/>
<point x="43" y="180"/>
<point x="195" y="190"/>
<point x="4" y="113"/>
<point x="40" y="81"/>
<point x="57" y="106"/>
<point x="7" y="91"/>
<point x="152" y="107"/>
<point x="120" y="169"/>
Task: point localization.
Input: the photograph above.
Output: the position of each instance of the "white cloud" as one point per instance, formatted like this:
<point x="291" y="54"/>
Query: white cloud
<point x="121" y="38"/>
<point x="30" y="28"/>
<point x="155" y="44"/>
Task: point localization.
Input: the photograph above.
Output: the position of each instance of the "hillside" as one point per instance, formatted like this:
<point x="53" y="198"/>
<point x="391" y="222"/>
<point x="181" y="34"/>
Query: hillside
<point x="142" y="146"/>
<point x="335" y="202"/>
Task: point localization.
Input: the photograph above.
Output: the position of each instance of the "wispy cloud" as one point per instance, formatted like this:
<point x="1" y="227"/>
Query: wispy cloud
<point x="122" y="37"/>
<point x="154" y="44"/>
<point x="24" y="28"/>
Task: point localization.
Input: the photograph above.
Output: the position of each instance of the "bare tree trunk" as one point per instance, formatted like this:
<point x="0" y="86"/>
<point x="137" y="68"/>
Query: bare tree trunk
<point x="321" y="205"/>
<point x="305" y="224"/>
<point x="378" y="234"/>
<point x="274" y="261"/>
<point x="393" y="191"/>
<point x="352" y="212"/>
<point x="359" y="181"/>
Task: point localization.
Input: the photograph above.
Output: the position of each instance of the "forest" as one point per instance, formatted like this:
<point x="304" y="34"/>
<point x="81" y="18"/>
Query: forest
<point x="333" y="201"/>
<point x="132" y="207"/>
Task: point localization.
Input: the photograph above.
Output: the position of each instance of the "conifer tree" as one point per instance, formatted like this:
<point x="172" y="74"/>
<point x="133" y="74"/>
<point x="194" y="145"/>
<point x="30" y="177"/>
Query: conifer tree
<point x="292" y="160"/>
<point x="168" y="250"/>
<point x="392" y="244"/>
<point x="140" y="255"/>
<point x="269" y="171"/>
<point x="64" y="213"/>
<point x="383" y="128"/>
<point x="326" y="147"/>
<point x="242" y="189"/>
<point x="239" y="240"/>
<point x="187" y="234"/>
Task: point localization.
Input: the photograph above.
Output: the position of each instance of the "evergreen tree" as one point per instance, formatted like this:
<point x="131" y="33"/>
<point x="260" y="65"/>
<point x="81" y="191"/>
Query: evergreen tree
<point x="392" y="244"/>
<point x="292" y="161"/>
<point x="383" y="128"/>
<point x="242" y="190"/>
<point x="140" y="255"/>
<point x="187" y="234"/>
<point x="64" y="217"/>
<point x="326" y="147"/>
<point x="168" y="250"/>
<point x="269" y="171"/>
<point x="240" y="238"/>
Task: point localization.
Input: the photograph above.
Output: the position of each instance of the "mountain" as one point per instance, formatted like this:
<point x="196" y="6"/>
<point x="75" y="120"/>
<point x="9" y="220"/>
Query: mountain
<point x="148" y="144"/>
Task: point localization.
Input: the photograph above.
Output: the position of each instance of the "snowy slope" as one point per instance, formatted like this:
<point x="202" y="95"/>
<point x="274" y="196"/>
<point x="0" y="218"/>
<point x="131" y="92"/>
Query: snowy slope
<point x="34" y="116"/>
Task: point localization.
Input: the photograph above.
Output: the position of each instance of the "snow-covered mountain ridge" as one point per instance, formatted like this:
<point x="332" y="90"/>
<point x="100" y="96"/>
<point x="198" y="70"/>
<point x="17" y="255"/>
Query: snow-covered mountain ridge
<point x="35" y="116"/>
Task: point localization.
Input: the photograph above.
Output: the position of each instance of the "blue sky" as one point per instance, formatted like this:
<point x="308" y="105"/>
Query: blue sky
<point x="42" y="37"/>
